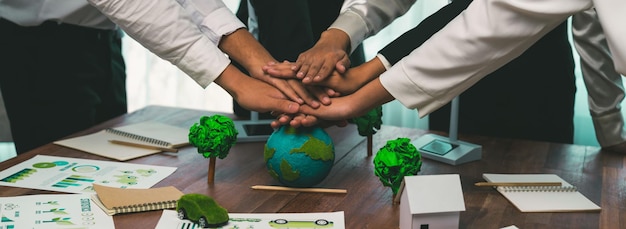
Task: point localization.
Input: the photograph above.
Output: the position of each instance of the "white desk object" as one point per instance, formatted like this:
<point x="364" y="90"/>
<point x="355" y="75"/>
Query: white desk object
<point x="448" y="149"/>
<point x="431" y="202"/>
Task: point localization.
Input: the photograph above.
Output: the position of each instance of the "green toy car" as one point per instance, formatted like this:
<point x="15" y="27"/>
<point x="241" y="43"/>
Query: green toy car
<point x="202" y="210"/>
<point x="283" y="223"/>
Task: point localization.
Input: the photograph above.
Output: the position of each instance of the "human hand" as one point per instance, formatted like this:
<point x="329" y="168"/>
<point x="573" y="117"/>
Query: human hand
<point x="314" y="65"/>
<point x="294" y="89"/>
<point x="346" y="107"/>
<point x="300" y="119"/>
<point x="313" y="95"/>
<point x="254" y="94"/>
<point x="253" y="57"/>
<point x="321" y="93"/>
<point x="283" y="69"/>
<point x="341" y="109"/>
<point x="353" y="78"/>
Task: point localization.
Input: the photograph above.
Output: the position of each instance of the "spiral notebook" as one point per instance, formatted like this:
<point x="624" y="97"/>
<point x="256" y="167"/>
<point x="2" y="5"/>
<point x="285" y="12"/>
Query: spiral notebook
<point x="564" y="198"/>
<point x="140" y="139"/>
<point x="119" y="200"/>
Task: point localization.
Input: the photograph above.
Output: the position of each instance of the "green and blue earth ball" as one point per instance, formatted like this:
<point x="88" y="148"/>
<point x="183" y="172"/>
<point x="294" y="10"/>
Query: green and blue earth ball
<point x="299" y="157"/>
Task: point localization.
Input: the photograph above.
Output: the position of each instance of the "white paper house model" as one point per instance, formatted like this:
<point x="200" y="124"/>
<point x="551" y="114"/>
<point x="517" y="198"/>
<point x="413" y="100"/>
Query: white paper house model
<point x="431" y="202"/>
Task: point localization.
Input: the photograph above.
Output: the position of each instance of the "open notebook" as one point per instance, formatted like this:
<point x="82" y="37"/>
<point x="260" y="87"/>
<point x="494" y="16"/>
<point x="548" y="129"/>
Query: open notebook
<point x="150" y="134"/>
<point x="564" y="198"/>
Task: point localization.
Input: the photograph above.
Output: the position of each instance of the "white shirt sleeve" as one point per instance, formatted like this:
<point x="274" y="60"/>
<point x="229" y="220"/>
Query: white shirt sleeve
<point x="605" y="87"/>
<point x="164" y="28"/>
<point x="612" y="17"/>
<point x="384" y="61"/>
<point x="361" y="19"/>
<point x="487" y="35"/>
<point x="213" y="18"/>
<point x="36" y="12"/>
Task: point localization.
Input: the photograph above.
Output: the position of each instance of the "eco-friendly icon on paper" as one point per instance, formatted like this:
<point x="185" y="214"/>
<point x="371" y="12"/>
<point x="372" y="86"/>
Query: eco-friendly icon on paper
<point x="283" y="223"/>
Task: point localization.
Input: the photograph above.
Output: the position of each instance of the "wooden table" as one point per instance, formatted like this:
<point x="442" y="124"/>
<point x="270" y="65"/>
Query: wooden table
<point x="368" y="204"/>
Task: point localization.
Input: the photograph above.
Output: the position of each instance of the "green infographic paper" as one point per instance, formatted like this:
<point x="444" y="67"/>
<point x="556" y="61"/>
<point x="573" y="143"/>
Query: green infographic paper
<point x="74" y="175"/>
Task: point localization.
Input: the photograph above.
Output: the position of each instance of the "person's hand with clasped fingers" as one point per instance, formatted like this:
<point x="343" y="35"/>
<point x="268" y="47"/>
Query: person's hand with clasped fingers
<point x="254" y="94"/>
<point x="254" y="57"/>
<point x="342" y="108"/>
<point x="329" y="54"/>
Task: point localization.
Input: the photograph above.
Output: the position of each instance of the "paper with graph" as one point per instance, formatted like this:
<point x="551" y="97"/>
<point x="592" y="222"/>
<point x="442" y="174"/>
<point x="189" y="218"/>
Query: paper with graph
<point x="75" y="175"/>
<point x="57" y="211"/>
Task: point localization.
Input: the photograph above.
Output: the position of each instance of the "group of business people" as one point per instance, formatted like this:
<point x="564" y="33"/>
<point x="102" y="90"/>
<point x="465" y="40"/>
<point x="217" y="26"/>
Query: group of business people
<point x="530" y="97"/>
<point x="194" y="35"/>
<point x="500" y="104"/>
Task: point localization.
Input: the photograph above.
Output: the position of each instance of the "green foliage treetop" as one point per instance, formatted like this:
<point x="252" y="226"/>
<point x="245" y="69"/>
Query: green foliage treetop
<point x="213" y="136"/>
<point x="370" y="122"/>
<point x="398" y="158"/>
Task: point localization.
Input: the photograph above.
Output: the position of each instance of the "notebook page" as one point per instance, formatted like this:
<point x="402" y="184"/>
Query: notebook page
<point x="542" y="201"/>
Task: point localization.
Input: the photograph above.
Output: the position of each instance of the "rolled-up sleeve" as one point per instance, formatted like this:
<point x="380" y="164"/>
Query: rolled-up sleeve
<point x="213" y="18"/>
<point x="361" y="19"/>
<point x="163" y="27"/>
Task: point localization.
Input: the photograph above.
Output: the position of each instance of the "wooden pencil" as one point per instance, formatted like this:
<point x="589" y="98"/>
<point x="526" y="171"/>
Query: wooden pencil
<point x="280" y="188"/>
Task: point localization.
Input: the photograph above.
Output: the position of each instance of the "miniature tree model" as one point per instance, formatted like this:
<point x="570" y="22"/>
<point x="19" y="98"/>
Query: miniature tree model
<point x="213" y="136"/>
<point x="368" y="124"/>
<point x="398" y="158"/>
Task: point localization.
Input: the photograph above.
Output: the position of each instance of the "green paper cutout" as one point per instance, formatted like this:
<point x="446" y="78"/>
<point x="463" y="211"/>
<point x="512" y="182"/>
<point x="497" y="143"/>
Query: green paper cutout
<point x="213" y="136"/>
<point x="370" y="122"/>
<point x="398" y="158"/>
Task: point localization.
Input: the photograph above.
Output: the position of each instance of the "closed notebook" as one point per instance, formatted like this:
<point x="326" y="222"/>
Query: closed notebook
<point x="564" y="198"/>
<point x="146" y="133"/>
<point x="119" y="200"/>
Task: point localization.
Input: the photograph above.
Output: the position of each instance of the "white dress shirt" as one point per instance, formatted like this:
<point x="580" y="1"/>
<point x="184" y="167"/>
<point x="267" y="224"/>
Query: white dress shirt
<point x="483" y="40"/>
<point x="185" y="34"/>
<point x="35" y="12"/>
<point x="487" y="35"/>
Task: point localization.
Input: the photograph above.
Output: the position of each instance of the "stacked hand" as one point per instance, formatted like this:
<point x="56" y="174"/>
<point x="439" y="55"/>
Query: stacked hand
<point x="319" y="83"/>
<point x="258" y="94"/>
<point x="314" y="65"/>
<point x="339" y="82"/>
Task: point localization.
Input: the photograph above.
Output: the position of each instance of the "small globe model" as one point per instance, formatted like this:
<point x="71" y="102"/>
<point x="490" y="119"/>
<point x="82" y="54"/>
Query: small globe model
<point x="299" y="157"/>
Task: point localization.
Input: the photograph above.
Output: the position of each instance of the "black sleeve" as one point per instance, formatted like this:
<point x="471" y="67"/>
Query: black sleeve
<point x="415" y="37"/>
